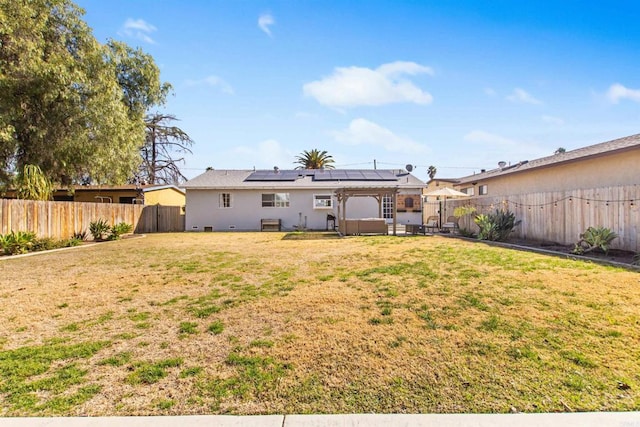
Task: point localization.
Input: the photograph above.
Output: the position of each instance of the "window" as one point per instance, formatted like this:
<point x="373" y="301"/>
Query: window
<point x="483" y="190"/>
<point x="322" y="201"/>
<point x="275" y="200"/>
<point x="387" y="207"/>
<point x="408" y="202"/>
<point x="469" y="191"/>
<point x="225" y="200"/>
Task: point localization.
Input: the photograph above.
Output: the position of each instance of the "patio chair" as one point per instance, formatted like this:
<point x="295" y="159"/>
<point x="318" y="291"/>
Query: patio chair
<point x="451" y="226"/>
<point x="431" y="224"/>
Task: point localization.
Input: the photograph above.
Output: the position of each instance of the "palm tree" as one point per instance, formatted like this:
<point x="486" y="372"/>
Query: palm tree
<point x="314" y="159"/>
<point x="432" y="171"/>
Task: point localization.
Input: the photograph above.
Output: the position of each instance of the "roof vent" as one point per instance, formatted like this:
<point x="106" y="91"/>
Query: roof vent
<point x="502" y="164"/>
<point x="483" y="170"/>
<point x="276" y="169"/>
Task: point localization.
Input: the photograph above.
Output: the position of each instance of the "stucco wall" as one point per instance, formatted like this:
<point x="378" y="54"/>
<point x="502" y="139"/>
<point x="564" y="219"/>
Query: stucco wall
<point x="164" y="197"/>
<point x="246" y="210"/>
<point x="612" y="170"/>
<point x="203" y="210"/>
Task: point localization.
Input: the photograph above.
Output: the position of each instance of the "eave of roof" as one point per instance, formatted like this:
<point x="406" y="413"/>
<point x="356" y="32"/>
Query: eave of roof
<point x="237" y="180"/>
<point x="602" y="149"/>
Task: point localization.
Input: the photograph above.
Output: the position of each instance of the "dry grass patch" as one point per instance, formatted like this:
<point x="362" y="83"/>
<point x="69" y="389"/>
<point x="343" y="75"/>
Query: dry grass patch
<point x="254" y="323"/>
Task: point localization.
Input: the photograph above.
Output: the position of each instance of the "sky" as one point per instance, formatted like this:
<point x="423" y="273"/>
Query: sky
<point x="460" y="85"/>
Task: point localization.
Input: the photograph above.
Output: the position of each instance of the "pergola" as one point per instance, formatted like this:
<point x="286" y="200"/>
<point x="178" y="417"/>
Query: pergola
<point x="378" y="193"/>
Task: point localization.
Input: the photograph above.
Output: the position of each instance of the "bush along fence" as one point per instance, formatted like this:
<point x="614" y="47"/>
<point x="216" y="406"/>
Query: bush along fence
<point x="61" y="220"/>
<point x="561" y="216"/>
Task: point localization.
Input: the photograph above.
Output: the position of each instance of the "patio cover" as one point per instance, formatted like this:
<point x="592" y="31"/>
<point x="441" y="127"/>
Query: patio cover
<point x="378" y="193"/>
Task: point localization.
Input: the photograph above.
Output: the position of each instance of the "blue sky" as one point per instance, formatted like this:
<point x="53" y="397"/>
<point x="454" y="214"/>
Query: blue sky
<point x="459" y="84"/>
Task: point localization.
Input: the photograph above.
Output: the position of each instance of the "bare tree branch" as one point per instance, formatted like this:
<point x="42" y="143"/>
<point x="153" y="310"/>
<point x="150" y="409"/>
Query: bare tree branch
<point x="163" y="141"/>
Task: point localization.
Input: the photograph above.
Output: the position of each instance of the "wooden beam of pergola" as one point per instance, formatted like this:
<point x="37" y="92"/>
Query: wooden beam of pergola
<point x="378" y="193"/>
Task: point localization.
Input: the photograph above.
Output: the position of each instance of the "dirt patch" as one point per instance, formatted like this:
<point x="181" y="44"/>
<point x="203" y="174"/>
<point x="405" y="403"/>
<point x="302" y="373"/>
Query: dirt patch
<point x="613" y="256"/>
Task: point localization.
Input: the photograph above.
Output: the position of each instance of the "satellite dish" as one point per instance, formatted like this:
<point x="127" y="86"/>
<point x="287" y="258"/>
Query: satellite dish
<point x="502" y="164"/>
<point x="409" y="168"/>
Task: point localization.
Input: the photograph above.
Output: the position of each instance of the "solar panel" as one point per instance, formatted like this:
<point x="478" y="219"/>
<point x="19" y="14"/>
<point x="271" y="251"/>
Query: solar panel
<point x="354" y="175"/>
<point x="267" y="175"/>
<point x="324" y="175"/>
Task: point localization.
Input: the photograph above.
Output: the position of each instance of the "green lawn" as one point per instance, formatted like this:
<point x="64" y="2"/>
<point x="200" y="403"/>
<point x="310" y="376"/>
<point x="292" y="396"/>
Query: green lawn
<point x="253" y="323"/>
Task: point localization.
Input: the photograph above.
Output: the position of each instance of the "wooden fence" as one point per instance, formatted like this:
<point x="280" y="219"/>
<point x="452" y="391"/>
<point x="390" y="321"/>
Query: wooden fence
<point x="62" y="219"/>
<point x="562" y="216"/>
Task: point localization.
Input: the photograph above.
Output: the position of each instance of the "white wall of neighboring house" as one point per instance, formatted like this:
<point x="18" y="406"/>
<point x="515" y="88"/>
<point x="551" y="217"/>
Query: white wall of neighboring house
<point x="246" y="211"/>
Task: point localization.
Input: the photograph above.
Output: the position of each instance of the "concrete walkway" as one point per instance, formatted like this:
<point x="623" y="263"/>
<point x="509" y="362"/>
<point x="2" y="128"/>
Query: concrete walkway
<point x="584" y="419"/>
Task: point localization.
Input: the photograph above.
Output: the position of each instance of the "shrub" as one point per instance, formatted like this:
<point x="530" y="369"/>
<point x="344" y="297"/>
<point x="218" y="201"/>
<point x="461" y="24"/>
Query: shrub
<point x="465" y="212"/>
<point x="636" y="259"/>
<point x="45" y="244"/>
<point x="496" y="226"/>
<point x="595" y="238"/>
<point x="99" y="229"/>
<point x="119" y="229"/>
<point x="17" y="242"/>
<point x="74" y="241"/>
<point x="80" y="235"/>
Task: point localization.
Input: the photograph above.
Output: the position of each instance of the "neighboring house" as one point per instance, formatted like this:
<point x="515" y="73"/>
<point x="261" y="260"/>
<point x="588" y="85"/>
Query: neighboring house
<point x="166" y="195"/>
<point x="220" y="200"/>
<point x="607" y="164"/>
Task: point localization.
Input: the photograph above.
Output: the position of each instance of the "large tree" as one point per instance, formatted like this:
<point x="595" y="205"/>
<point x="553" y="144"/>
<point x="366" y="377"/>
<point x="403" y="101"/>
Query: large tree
<point x="138" y="77"/>
<point x="314" y="159"/>
<point x="163" y="141"/>
<point x="68" y="104"/>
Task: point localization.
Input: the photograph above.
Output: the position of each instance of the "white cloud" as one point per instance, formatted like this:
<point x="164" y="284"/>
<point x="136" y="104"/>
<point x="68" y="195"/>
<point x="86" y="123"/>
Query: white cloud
<point x="552" y="120"/>
<point x="139" y="29"/>
<point x="522" y="96"/>
<point x="213" y="81"/>
<point x="264" y="21"/>
<point x="265" y="155"/>
<point x="364" y="132"/>
<point x="355" y="86"/>
<point x="480" y="136"/>
<point x="617" y="92"/>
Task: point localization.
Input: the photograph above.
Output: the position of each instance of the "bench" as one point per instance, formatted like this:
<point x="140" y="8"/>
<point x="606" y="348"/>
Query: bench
<point x="270" y="224"/>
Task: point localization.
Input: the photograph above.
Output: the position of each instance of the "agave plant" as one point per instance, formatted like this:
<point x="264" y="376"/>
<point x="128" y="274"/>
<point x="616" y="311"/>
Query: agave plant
<point x="593" y="238"/>
<point x="99" y="229"/>
<point x="496" y="226"/>
<point x="17" y="242"/>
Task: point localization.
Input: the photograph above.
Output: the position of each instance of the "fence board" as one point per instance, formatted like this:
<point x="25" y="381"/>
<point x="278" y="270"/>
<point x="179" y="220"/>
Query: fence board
<point x="562" y="216"/>
<point x="62" y="219"/>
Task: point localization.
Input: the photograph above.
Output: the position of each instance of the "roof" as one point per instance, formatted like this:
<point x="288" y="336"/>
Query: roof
<point x="597" y="150"/>
<point x="123" y="187"/>
<point x="162" y="187"/>
<point x="303" y="179"/>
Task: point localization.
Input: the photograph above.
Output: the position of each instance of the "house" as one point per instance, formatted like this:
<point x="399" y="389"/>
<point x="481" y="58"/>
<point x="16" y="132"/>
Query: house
<point x="607" y="164"/>
<point x="253" y="200"/>
<point x="165" y="195"/>
<point x="558" y="197"/>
